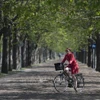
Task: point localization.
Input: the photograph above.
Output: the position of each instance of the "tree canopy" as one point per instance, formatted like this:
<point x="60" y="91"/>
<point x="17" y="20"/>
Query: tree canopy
<point x="55" y="24"/>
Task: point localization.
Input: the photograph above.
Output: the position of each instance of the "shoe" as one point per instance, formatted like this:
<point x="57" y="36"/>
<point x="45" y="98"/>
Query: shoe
<point x="78" y="85"/>
<point x="70" y="85"/>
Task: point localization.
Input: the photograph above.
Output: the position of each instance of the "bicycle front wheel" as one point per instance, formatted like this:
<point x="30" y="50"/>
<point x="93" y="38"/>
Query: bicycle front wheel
<point x="59" y="83"/>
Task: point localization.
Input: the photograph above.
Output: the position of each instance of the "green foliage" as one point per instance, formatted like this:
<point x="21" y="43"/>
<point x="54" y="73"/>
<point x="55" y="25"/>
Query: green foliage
<point x="55" y="24"/>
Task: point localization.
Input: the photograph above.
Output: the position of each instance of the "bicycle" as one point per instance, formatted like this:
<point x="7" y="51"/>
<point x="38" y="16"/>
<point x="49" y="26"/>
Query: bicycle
<point x="64" y="82"/>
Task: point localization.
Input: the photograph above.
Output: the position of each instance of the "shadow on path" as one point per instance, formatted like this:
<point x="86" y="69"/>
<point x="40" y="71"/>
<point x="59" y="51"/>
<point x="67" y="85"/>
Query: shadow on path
<point x="37" y="84"/>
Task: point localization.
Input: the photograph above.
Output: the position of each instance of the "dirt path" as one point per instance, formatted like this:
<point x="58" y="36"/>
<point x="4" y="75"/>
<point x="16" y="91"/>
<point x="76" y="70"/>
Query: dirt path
<point x="36" y="84"/>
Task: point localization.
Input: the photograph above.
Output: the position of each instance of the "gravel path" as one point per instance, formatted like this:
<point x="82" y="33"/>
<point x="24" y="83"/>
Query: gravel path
<point x="36" y="84"/>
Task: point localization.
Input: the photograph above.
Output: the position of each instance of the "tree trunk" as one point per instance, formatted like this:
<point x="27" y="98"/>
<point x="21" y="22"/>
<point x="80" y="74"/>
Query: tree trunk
<point x="14" y="51"/>
<point x="28" y="54"/>
<point x="89" y="55"/>
<point x="4" y="68"/>
<point x="50" y="54"/>
<point x="23" y="54"/>
<point x="10" y="54"/>
<point x="98" y="52"/>
<point x="39" y="55"/>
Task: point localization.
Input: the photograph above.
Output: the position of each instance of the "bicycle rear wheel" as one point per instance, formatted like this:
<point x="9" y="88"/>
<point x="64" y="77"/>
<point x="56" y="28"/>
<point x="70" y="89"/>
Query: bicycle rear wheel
<point x="80" y="82"/>
<point x="59" y="83"/>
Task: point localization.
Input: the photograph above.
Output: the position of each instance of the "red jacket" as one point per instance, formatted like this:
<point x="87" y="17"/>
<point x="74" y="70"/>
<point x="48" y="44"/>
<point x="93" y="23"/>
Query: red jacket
<point x="72" y="61"/>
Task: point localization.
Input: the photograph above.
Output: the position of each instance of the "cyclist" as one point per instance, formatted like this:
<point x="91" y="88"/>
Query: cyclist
<point x="73" y="65"/>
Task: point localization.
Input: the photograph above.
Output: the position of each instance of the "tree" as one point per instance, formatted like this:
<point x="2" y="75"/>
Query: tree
<point x="52" y="24"/>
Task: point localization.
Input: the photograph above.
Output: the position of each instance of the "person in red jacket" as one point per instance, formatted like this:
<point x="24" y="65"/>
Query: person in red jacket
<point x="73" y="65"/>
<point x="69" y="56"/>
